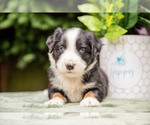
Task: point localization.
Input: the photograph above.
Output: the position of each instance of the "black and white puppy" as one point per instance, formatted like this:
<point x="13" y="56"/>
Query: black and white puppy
<point x="74" y="73"/>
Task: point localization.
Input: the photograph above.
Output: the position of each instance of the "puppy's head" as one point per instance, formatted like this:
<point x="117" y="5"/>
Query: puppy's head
<point x="72" y="51"/>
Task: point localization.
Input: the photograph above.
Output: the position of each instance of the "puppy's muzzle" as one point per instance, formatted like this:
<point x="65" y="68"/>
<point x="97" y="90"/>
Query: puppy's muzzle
<point x="70" y="66"/>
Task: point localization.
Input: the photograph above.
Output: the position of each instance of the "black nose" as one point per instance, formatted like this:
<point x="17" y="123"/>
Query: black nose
<point x="70" y="66"/>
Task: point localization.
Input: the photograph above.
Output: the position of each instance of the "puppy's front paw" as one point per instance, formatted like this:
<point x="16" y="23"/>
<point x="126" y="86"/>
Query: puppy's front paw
<point x="55" y="101"/>
<point x="89" y="101"/>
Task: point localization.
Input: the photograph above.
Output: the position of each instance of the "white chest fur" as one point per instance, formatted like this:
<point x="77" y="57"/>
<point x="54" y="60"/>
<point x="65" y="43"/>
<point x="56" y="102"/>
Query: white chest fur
<point x="73" y="87"/>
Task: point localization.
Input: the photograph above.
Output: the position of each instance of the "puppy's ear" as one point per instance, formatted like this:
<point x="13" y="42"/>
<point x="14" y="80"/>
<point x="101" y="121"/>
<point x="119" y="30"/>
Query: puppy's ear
<point x="95" y="43"/>
<point x="98" y="45"/>
<point x="52" y="40"/>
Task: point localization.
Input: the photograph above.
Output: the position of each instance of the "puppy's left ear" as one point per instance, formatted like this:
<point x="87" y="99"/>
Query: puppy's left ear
<point x="95" y="44"/>
<point x="52" y="40"/>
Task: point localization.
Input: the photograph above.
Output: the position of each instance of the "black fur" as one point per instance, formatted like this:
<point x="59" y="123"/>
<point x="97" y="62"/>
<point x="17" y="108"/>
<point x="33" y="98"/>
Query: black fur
<point x="91" y="44"/>
<point x="52" y="90"/>
<point x="96" y="75"/>
<point x="54" y="42"/>
<point x="92" y="47"/>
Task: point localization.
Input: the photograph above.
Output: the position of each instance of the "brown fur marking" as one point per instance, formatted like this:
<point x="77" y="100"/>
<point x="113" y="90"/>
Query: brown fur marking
<point x="90" y="94"/>
<point x="58" y="95"/>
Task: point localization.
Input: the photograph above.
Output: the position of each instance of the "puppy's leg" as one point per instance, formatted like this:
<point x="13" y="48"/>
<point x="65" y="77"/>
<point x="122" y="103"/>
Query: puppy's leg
<point x="57" y="99"/>
<point x="90" y="99"/>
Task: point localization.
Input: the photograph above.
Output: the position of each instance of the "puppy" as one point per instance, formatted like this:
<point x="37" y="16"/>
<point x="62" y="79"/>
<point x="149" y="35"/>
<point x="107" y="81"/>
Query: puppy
<point x="74" y="73"/>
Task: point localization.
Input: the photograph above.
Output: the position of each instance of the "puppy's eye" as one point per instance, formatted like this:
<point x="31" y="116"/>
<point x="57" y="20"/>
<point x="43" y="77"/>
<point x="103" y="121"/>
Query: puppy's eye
<point x="61" y="49"/>
<point x="82" y="50"/>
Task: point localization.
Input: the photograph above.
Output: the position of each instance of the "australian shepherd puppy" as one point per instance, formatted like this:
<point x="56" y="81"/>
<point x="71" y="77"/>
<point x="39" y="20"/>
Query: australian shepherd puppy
<point x="74" y="73"/>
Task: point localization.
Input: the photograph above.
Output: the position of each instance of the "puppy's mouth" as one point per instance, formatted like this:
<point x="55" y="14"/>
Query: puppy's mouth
<point x="69" y="71"/>
<point x="70" y="74"/>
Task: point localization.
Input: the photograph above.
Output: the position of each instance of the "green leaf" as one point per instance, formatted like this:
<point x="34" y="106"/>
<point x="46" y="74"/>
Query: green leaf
<point x="145" y="20"/>
<point x="23" y="61"/>
<point x="41" y="44"/>
<point x="28" y="57"/>
<point x="87" y="7"/>
<point x="130" y="20"/>
<point x="9" y="21"/>
<point x="114" y="31"/>
<point x="145" y="9"/>
<point x="92" y="23"/>
<point x="130" y="6"/>
<point x="23" y="19"/>
<point x="5" y="45"/>
<point x="15" y="50"/>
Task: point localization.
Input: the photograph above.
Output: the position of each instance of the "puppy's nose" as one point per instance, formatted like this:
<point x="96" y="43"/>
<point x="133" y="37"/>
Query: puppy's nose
<point x="70" y="66"/>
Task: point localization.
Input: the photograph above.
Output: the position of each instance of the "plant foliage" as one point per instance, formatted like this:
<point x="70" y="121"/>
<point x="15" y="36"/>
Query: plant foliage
<point x="107" y="24"/>
<point x="23" y="35"/>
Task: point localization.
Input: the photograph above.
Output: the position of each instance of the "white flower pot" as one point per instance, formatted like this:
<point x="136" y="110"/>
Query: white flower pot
<point x="127" y="65"/>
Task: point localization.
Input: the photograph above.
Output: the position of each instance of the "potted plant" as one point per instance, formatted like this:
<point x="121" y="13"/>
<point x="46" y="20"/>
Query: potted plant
<point x="125" y="59"/>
